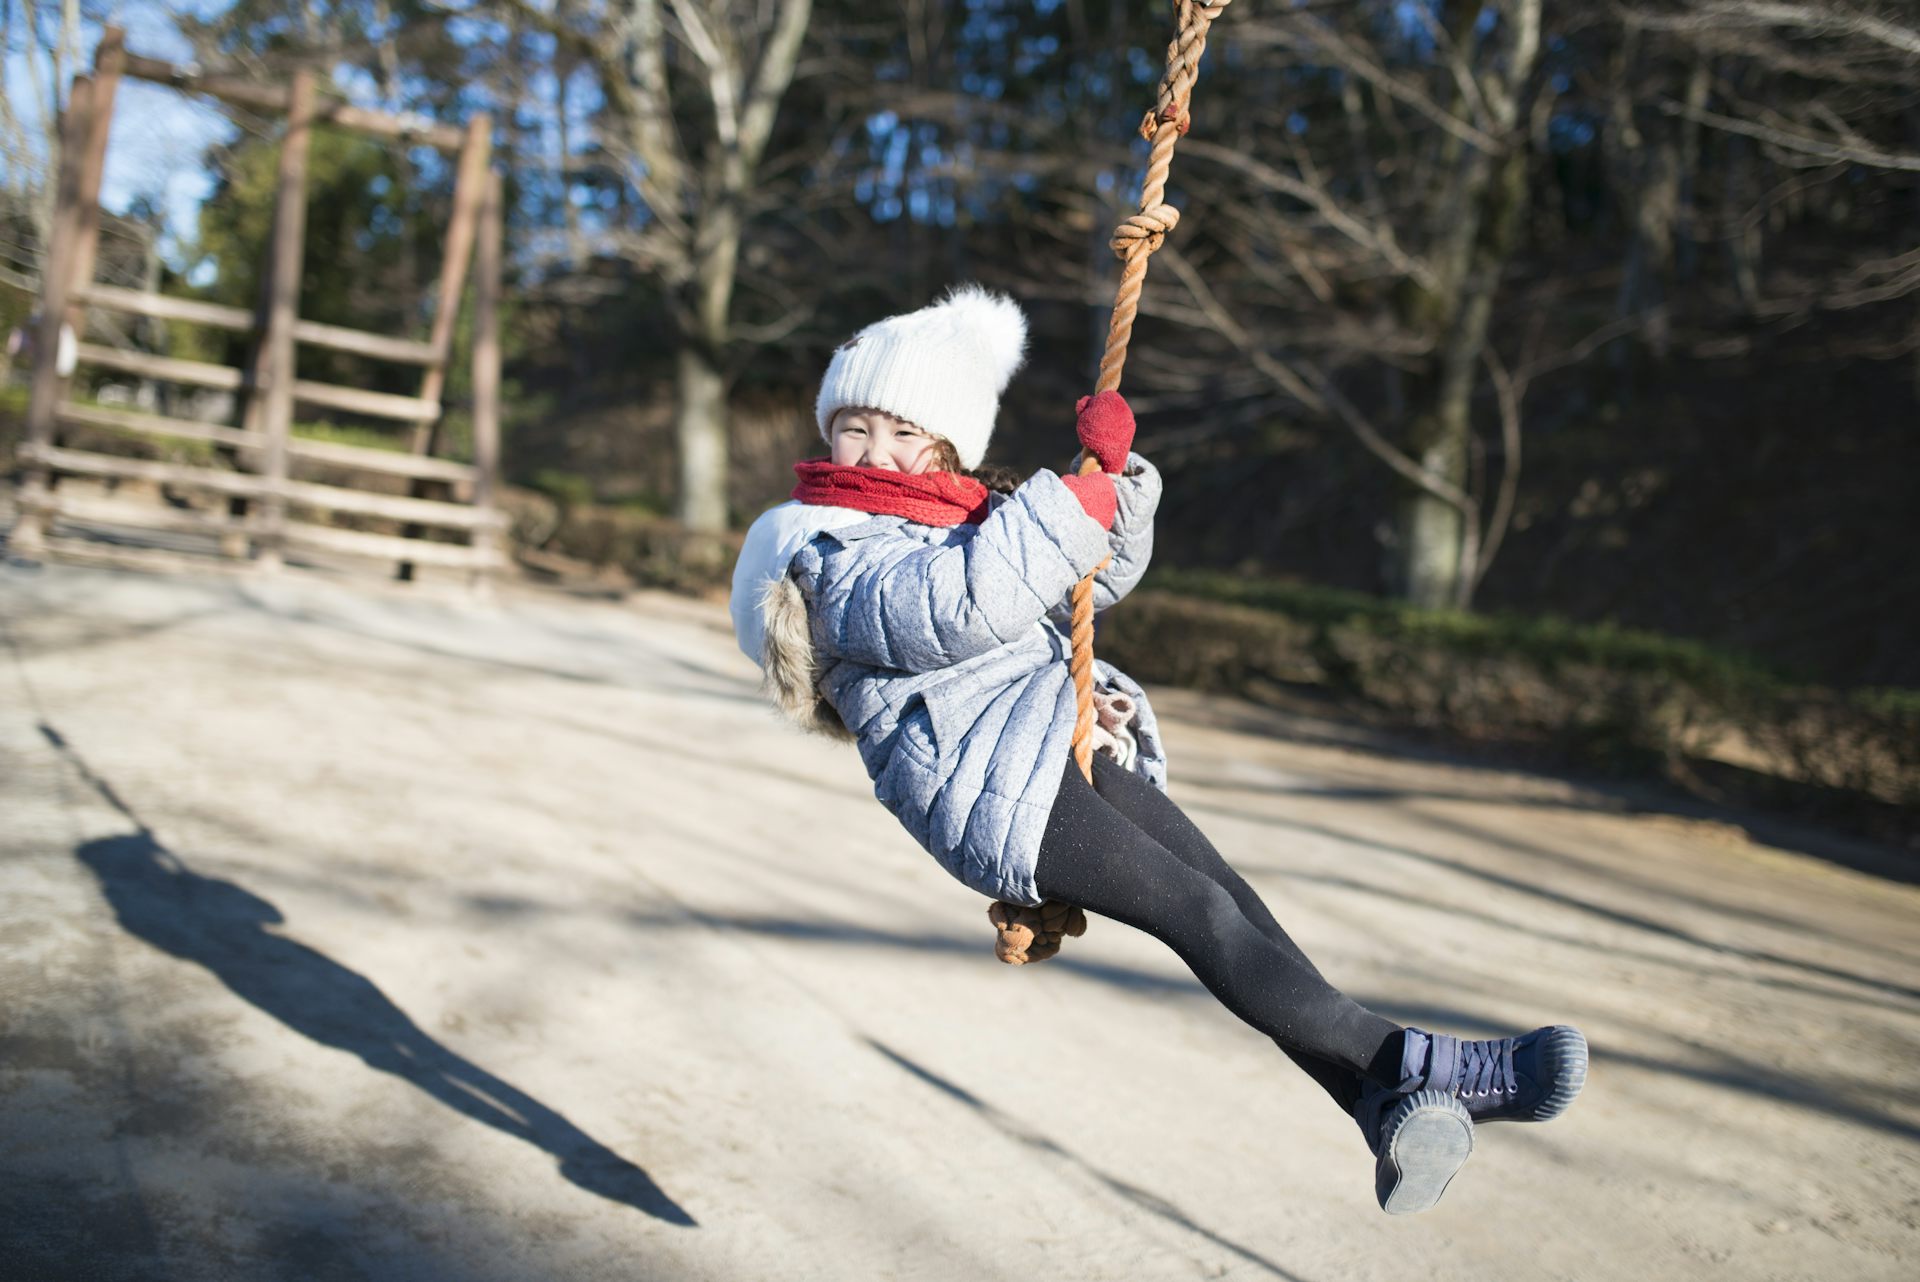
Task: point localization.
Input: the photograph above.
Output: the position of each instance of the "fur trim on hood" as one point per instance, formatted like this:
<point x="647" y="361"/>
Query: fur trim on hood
<point x="791" y="680"/>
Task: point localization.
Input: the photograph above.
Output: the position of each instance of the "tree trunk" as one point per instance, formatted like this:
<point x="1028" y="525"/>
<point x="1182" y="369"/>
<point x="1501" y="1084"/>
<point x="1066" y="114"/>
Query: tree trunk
<point x="1439" y="545"/>
<point x="701" y="426"/>
<point x="1432" y="533"/>
<point x="1438" y="553"/>
<point x="701" y="421"/>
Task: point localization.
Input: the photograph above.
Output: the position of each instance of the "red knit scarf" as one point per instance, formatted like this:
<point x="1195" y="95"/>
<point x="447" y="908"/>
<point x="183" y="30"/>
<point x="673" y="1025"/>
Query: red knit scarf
<point x="931" y="498"/>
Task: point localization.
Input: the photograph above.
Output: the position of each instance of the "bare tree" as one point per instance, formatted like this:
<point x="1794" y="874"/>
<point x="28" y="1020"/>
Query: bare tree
<point x="1371" y="177"/>
<point x="1374" y="236"/>
<point x="692" y="88"/>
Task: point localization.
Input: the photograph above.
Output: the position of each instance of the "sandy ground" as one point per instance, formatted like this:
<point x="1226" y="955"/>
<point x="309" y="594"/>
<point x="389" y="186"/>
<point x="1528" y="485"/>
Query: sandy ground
<point x="347" y="932"/>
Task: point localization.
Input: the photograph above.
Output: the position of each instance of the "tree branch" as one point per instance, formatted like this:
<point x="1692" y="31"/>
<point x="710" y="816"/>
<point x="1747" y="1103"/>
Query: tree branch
<point x="722" y="86"/>
<point x="1347" y="56"/>
<point x="1509" y="394"/>
<point x="1801" y="143"/>
<point x="1328" y="208"/>
<point x="1316" y="391"/>
<point x="772" y="76"/>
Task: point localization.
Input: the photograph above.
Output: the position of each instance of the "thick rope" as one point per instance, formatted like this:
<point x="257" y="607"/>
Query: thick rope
<point x="1133" y="242"/>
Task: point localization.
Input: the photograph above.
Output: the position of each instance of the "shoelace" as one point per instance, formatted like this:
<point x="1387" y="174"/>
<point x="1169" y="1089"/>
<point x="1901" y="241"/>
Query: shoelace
<point x="1486" y="1069"/>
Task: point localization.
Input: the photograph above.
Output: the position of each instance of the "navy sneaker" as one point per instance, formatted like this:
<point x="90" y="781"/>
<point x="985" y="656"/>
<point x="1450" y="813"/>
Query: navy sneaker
<point x="1529" y="1078"/>
<point x="1419" y="1142"/>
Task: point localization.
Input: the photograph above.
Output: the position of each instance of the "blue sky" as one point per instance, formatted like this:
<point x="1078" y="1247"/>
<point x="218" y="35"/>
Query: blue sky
<point x="158" y="134"/>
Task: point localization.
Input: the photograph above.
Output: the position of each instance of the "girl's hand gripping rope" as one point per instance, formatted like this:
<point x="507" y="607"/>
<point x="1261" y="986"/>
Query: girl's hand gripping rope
<point x="1096" y="494"/>
<point x="1104" y="424"/>
<point x="1105" y="427"/>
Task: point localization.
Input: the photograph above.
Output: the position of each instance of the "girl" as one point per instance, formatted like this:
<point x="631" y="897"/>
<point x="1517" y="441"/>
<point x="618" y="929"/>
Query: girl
<point x="899" y="601"/>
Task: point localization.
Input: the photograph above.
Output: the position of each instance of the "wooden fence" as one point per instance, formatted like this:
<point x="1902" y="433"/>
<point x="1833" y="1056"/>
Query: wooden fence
<point x="270" y="507"/>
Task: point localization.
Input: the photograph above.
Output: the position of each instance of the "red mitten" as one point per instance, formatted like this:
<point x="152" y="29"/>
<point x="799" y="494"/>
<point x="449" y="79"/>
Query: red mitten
<point x="1095" y="492"/>
<point x="1105" y="427"/>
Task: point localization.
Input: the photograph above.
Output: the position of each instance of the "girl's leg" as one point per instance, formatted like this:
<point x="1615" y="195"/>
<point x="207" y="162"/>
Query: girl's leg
<point x="1419" y="1140"/>
<point x="1093" y="856"/>
<point x="1154" y="813"/>
<point x="1533" y="1077"/>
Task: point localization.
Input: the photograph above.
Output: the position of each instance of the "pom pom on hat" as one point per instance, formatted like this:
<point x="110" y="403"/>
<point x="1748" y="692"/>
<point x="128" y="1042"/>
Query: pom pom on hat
<point x="942" y="368"/>
<point x="994" y="321"/>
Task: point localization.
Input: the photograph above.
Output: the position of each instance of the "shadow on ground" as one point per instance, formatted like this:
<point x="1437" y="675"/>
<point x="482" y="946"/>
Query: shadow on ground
<point x="224" y="928"/>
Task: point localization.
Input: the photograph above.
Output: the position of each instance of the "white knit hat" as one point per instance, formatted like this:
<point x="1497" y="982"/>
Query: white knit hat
<point x="941" y="368"/>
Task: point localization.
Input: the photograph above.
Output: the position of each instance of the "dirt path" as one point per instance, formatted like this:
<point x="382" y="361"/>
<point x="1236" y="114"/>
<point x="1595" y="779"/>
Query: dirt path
<point x="348" y="933"/>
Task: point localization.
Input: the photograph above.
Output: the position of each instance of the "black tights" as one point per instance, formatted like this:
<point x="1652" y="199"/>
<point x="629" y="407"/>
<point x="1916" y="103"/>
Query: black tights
<point x="1122" y="849"/>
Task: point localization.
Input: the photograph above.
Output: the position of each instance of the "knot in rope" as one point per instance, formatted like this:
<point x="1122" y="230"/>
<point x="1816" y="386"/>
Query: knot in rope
<point x="1178" y="114"/>
<point x="1143" y="232"/>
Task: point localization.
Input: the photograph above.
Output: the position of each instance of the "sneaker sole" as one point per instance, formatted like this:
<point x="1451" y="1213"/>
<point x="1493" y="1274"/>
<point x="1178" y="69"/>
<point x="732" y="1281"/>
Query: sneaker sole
<point x="1564" y="1059"/>
<point x="1424" y="1141"/>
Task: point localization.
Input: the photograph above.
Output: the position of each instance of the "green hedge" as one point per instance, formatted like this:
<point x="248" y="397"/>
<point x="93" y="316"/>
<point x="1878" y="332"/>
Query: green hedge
<point x="1550" y="642"/>
<point x="1620" y="700"/>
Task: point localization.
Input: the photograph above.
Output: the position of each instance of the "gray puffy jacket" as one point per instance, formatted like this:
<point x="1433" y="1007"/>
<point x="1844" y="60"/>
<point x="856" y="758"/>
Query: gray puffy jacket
<point x="944" y="651"/>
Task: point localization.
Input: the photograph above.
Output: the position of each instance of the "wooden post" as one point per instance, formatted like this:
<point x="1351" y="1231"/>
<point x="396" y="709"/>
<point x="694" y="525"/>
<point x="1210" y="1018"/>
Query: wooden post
<point x="469" y="192"/>
<point x="486" y="377"/>
<point x="289" y="239"/>
<point x="252" y="407"/>
<point x="56" y="283"/>
<point x="108" y="61"/>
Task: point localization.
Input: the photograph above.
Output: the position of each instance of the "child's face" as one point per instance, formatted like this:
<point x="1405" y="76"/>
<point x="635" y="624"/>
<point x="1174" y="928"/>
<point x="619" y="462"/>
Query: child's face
<point x="875" y="438"/>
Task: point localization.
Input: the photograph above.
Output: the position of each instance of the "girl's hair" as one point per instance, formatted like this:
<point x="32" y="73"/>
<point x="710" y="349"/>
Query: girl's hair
<point x="1002" y="480"/>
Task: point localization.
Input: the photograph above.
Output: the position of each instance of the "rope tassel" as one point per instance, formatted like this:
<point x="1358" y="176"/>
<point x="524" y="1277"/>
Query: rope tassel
<point x="1033" y="934"/>
<point x="1134" y="241"/>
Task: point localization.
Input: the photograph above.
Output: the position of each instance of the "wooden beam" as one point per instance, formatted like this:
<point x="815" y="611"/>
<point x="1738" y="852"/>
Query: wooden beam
<point x="357" y="401"/>
<point x="469" y="191"/>
<point x="166" y="307"/>
<point x="336" y="498"/>
<point x="486" y="358"/>
<point x="109" y="58"/>
<point x="283" y="297"/>
<point x="330" y="498"/>
<point x="159" y="516"/>
<point x="339" y="338"/>
<point x="335" y="336"/>
<point x="386" y="547"/>
<point x="120" y="556"/>
<point x="387" y="462"/>
<point x="144" y="516"/>
<point x="252" y="399"/>
<point x="83" y="463"/>
<point x="56" y="283"/>
<point x="172" y="369"/>
<point x="156" y="425"/>
<point x="246" y="93"/>
<point x="359" y="457"/>
<point x="386" y="124"/>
